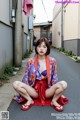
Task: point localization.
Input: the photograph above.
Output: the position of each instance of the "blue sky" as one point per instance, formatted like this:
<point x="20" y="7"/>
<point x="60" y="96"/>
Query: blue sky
<point x="41" y="14"/>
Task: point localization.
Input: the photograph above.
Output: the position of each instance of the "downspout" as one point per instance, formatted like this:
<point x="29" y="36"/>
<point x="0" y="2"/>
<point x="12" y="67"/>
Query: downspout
<point x="18" y="38"/>
<point x="62" y="44"/>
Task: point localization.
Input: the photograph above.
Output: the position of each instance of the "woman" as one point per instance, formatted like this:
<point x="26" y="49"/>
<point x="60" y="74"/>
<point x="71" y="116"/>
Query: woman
<point x="40" y="79"/>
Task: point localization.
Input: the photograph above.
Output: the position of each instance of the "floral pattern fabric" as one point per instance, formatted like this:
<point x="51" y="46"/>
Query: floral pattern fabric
<point x="31" y="74"/>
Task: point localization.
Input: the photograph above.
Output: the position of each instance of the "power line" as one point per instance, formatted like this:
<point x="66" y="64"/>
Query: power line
<point x="45" y="9"/>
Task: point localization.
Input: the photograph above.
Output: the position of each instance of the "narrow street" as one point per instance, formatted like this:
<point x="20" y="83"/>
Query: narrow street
<point x="69" y="71"/>
<point x="22" y="23"/>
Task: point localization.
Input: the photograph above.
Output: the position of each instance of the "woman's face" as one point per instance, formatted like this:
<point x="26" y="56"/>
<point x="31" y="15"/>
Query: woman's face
<point x="42" y="49"/>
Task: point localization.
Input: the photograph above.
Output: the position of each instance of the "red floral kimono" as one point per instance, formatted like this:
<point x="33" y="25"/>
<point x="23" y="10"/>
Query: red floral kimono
<point x="33" y="78"/>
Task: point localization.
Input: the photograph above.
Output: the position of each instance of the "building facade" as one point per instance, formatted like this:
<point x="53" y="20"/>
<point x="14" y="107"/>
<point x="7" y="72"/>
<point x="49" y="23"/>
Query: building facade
<point x="7" y="32"/>
<point x="66" y="24"/>
<point x="43" y="30"/>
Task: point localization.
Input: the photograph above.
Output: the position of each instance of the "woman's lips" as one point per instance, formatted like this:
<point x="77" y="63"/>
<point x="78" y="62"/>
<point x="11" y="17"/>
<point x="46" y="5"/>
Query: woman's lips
<point x="41" y="51"/>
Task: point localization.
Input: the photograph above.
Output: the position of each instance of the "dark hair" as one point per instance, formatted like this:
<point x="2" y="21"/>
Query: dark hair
<point x="45" y="40"/>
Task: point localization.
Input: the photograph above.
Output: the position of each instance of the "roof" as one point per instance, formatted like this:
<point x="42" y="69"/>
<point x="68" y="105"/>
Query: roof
<point x="42" y="24"/>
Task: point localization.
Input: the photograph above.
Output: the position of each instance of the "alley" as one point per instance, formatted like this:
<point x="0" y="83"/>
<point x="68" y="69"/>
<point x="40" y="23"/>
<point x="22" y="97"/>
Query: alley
<point x="69" y="71"/>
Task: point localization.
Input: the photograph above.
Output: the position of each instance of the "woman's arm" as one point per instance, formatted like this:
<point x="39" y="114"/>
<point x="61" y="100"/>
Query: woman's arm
<point x="54" y="76"/>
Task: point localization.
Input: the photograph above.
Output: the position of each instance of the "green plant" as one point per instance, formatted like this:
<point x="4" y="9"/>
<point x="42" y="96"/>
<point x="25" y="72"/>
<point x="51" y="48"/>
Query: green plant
<point x="4" y="77"/>
<point x="75" y="58"/>
<point x="59" y="49"/>
<point x="66" y="53"/>
<point x="73" y="54"/>
<point x="27" y="54"/>
<point x="70" y="53"/>
<point x="78" y="60"/>
<point x="8" y="70"/>
<point x="63" y="50"/>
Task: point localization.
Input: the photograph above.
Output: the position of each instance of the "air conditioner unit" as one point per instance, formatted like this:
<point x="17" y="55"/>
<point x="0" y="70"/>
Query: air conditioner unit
<point x="13" y="16"/>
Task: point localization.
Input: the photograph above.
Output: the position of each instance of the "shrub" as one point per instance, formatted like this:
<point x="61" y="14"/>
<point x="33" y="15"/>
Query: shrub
<point x="78" y="60"/>
<point x="63" y="49"/>
<point x="9" y="70"/>
<point x="70" y="53"/>
<point x="4" y="77"/>
<point x="75" y="58"/>
<point x="27" y="54"/>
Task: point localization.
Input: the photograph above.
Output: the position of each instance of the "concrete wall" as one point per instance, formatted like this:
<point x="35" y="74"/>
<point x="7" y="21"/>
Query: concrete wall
<point x="71" y="45"/>
<point x="56" y="29"/>
<point x="26" y="44"/>
<point x="78" y="47"/>
<point x="6" y="45"/>
<point x="71" y="22"/>
<point x="71" y="27"/>
<point x="7" y="35"/>
<point x="79" y="29"/>
<point x="25" y="23"/>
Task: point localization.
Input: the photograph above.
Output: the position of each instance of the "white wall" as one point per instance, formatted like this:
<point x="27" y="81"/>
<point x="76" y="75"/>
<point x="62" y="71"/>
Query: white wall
<point x="56" y="26"/>
<point x="4" y="11"/>
<point x="71" y="22"/>
<point x="25" y="22"/>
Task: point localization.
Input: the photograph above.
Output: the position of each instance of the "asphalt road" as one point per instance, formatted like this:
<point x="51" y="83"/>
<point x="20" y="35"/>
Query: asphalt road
<point x="69" y="71"/>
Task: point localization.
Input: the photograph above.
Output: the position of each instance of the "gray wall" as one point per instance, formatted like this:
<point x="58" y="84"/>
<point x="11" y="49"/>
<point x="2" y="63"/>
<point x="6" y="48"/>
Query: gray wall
<point x="25" y="43"/>
<point x="7" y="35"/>
<point x="6" y="45"/>
<point x="79" y="47"/>
<point x="72" y="45"/>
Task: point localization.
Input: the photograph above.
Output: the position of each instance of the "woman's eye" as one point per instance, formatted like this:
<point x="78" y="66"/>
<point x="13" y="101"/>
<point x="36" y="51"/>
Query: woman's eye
<point x="44" y="46"/>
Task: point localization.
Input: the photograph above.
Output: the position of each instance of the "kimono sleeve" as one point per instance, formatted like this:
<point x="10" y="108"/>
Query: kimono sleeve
<point x="54" y="73"/>
<point x="26" y="76"/>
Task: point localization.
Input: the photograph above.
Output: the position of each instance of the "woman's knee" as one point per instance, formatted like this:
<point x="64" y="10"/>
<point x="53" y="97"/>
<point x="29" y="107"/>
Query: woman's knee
<point x="16" y="84"/>
<point x="63" y="84"/>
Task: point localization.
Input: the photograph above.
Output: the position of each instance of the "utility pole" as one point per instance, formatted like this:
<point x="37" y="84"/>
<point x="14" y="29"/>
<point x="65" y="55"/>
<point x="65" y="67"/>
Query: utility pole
<point x="18" y="38"/>
<point x="62" y="44"/>
<point x="31" y="29"/>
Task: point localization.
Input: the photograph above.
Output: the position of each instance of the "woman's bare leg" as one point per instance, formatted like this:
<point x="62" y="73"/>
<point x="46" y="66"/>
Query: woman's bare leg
<point x="56" y="91"/>
<point x="25" y="90"/>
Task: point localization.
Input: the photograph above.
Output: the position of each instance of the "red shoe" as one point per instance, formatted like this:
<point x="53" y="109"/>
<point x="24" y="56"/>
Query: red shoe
<point x="26" y="107"/>
<point x="57" y="108"/>
<point x="19" y="100"/>
<point x="22" y="100"/>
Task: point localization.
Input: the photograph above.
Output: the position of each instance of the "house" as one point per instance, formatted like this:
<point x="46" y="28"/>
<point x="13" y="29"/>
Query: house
<point x="66" y="27"/>
<point x="42" y="30"/>
<point x="15" y="33"/>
